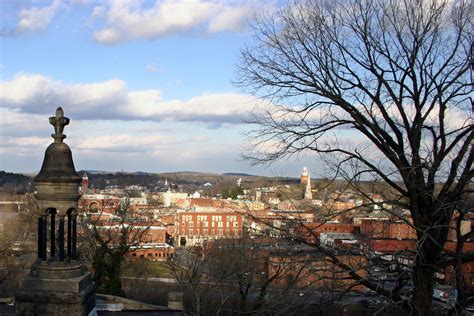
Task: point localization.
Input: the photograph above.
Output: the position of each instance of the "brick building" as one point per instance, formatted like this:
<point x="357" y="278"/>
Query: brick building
<point x="153" y="245"/>
<point x="193" y="228"/>
<point x="98" y="203"/>
<point x="310" y="232"/>
<point x="316" y="272"/>
<point x="385" y="229"/>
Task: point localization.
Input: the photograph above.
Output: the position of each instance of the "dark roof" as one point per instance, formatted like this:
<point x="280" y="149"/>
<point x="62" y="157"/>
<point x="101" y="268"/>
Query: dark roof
<point x="133" y="313"/>
<point x="7" y="310"/>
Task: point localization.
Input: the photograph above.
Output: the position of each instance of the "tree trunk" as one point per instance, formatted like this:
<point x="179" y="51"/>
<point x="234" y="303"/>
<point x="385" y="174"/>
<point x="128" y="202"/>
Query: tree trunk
<point x="198" y="305"/>
<point x="242" y="305"/>
<point x="423" y="283"/>
<point x="427" y="256"/>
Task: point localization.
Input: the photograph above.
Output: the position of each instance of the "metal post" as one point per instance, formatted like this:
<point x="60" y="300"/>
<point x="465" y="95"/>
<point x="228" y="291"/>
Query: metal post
<point x="61" y="237"/>
<point x="44" y="232"/>
<point x="53" y="234"/>
<point x="40" y="238"/>
<point x="74" y="235"/>
<point x="69" y="233"/>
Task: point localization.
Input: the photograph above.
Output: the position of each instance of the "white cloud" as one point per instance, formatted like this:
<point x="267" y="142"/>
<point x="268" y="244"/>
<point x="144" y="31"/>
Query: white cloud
<point x="126" y="20"/>
<point x="31" y="141"/>
<point x="37" y="19"/>
<point x="154" y="68"/>
<point x="111" y="100"/>
<point x="231" y="19"/>
<point x="118" y="145"/>
<point x="124" y="142"/>
<point x="15" y="123"/>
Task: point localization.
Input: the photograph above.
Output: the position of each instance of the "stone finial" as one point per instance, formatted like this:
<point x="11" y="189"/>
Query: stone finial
<point x="58" y="121"/>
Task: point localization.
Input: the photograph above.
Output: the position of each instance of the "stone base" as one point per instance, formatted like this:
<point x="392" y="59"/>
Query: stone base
<point x="42" y="293"/>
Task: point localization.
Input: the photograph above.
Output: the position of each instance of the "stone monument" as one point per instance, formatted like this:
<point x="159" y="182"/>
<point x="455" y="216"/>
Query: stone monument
<point x="58" y="283"/>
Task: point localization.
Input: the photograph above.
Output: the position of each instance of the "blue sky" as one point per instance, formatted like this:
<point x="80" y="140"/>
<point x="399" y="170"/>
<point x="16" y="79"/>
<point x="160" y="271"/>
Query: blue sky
<point x="147" y="84"/>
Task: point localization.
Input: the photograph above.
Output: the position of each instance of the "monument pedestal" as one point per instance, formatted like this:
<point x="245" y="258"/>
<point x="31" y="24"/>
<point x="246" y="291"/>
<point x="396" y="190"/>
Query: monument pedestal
<point x="56" y="288"/>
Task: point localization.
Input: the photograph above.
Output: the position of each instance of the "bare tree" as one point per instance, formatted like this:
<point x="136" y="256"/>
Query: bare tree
<point x="17" y="248"/>
<point x="392" y="74"/>
<point x="190" y="269"/>
<point x="242" y="264"/>
<point x="245" y="276"/>
<point x="106" y="239"/>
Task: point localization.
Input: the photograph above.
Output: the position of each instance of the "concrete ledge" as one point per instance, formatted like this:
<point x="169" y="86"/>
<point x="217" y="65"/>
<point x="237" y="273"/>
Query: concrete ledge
<point x="127" y="304"/>
<point x="33" y="302"/>
<point x="70" y="285"/>
<point x="57" y="269"/>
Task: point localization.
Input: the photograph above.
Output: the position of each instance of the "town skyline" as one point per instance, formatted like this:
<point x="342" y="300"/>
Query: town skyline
<point x="155" y="101"/>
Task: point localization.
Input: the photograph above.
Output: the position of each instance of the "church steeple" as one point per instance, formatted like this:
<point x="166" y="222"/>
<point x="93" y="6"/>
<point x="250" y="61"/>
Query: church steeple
<point x="308" y="194"/>
<point x="304" y="176"/>
<point x="85" y="181"/>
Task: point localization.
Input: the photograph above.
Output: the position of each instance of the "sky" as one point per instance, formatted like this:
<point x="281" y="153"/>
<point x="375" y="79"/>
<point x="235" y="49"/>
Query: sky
<point x="147" y="85"/>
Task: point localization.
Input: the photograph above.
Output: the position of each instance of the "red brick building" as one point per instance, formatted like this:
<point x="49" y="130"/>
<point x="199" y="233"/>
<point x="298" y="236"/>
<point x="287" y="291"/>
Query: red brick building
<point x="392" y="245"/>
<point x="155" y="253"/>
<point x="311" y="231"/>
<point x="99" y="203"/>
<point x="448" y="275"/>
<point x="385" y="229"/>
<point x="153" y="245"/>
<point x="316" y="272"/>
<point x="147" y="240"/>
<point x="193" y="228"/>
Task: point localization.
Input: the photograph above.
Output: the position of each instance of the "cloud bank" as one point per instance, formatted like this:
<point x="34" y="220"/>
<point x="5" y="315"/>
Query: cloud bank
<point x="114" y="22"/>
<point x="111" y="100"/>
<point x="128" y="20"/>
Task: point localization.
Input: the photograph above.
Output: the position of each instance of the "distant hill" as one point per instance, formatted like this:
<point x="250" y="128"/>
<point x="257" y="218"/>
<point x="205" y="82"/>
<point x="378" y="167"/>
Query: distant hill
<point x="15" y="182"/>
<point x="236" y="174"/>
<point x="80" y="172"/>
<point x="188" y="181"/>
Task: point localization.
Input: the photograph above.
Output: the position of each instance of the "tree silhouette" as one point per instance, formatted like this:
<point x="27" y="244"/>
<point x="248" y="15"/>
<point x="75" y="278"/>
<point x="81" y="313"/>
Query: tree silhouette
<point x="394" y="76"/>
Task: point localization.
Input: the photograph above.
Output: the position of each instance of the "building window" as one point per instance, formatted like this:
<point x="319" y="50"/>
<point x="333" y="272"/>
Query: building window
<point x="93" y="207"/>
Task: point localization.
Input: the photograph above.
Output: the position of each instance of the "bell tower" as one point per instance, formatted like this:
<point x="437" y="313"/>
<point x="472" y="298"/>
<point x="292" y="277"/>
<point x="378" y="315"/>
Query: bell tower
<point x="58" y="283"/>
<point x="85" y="181"/>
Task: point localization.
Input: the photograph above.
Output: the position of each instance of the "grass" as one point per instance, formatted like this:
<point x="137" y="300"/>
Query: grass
<point x="146" y="269"/>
